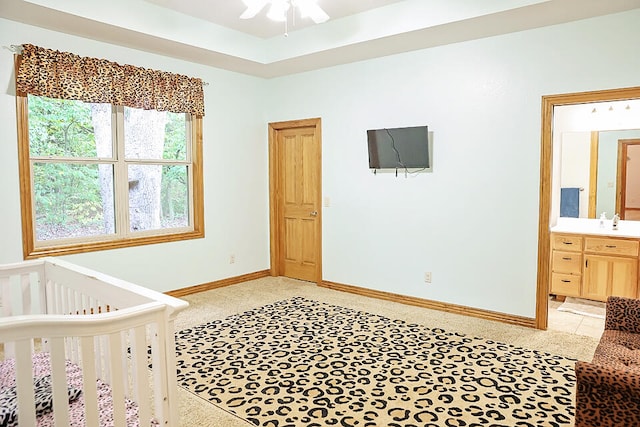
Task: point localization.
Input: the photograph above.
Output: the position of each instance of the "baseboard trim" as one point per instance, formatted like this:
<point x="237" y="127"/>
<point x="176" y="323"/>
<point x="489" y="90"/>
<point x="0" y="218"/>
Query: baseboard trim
<point x="433" y="305"/>
<point x="218" y="284"/>
<point x="371" y="293"/>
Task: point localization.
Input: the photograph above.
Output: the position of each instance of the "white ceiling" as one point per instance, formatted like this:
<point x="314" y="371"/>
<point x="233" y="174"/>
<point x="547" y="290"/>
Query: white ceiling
<point x="226" y="13"/>
<point x="210" y="32"/>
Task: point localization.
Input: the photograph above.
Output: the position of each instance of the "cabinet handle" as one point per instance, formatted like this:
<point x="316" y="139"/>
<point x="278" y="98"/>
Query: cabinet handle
<point x="566" y="258"/>
<point x="586" y="263"/>
<point x="610" y="246"/>
<point x="566" y="281"/>
<point x="567" y="243"/>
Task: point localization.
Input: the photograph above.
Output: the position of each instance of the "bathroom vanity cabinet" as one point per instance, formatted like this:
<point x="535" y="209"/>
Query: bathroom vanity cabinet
<point x="594" y="266"/>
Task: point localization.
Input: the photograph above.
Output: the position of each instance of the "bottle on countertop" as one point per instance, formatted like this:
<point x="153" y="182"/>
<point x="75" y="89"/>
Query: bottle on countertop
<point x="603" y="218"/>
<point x="616" y="219"/>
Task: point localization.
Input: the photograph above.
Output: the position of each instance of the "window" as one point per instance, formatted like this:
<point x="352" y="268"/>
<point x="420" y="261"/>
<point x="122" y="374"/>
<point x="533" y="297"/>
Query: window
<point x="101" y="176"/>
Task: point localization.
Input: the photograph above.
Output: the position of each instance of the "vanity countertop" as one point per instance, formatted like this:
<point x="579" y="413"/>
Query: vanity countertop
<point x="629" y="229"/>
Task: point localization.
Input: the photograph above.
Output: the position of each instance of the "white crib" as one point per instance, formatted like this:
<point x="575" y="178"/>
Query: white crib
<point x="83" y="330"/>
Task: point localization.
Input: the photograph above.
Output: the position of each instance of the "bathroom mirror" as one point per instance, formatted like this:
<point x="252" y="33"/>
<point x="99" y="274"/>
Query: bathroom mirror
<point x="593" y="143"/>
<point x="600" y="172"/>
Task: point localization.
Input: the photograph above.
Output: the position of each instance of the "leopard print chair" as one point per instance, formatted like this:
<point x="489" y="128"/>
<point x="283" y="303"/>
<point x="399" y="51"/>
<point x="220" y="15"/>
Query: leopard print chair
<point x="608" y="387"/>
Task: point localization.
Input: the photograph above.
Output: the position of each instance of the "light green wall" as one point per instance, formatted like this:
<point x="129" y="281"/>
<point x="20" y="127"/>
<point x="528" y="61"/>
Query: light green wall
<point x="473" y="222"/>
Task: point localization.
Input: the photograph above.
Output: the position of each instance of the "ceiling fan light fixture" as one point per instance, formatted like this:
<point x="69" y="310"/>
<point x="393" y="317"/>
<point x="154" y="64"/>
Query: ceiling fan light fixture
<point x="310" y="9"/>
<point x="278" y="10"/>
<point x="253" y="8"/>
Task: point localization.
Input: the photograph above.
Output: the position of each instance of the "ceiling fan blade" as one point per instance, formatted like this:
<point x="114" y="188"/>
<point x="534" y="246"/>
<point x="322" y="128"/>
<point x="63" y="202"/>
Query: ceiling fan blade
<point x="278" y="10"/>
<point x="309" y="8"/>
<point x="253" y="8"/>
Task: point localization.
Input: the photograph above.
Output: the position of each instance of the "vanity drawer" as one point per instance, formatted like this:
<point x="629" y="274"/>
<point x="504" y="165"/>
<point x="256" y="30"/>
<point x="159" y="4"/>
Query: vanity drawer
<point x="565" y="284"/>
<point x="567" y="242"/>
<point x="611" y="246"/>
<point x="566" y="262"/>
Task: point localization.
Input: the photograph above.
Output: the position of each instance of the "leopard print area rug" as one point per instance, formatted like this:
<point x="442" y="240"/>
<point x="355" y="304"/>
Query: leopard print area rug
<point x="305" y="363"/>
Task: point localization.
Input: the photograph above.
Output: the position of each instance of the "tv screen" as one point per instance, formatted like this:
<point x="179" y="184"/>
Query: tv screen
<point x="399" y="148"/>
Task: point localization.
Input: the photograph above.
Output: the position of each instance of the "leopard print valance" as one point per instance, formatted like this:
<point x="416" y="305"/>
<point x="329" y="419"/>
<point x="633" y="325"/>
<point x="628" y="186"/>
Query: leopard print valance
<point x="46" y="72"/>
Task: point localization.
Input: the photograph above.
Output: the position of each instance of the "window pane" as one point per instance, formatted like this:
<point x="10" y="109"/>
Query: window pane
<point x="73" y="200"/>
<point x="151" y="134"/>
<point x="158" y="197"/>
<point x="64" y="128"/>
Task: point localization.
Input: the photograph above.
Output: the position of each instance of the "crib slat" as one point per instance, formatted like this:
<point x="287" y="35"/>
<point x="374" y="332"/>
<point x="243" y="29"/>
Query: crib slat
<point x="25" y="285"/>
<point x="66" y="297"/>
<point x="5" y="288"/>
<point x="50" y="296"/>
<point x="72" y="343"/>
<point x="125" y="362"/>
<point x="5" y="301"/>
<point x="160" y="349"/>
<point x="140" y="375"/>
<point x="170" y="416"/>
<point x="89" y="379"/>
<point x="59" y="377"/>
<point x="117" y="387"/>
<point x="42" y="292"/>
<point x="24" y="381"/>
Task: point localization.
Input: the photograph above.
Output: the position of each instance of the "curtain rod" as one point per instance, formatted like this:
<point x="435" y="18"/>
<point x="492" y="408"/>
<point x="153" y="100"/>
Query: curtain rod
<point x="17" y="48"/>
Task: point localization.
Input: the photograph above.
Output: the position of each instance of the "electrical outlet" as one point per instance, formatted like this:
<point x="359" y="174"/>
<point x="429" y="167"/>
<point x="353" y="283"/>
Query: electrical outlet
<point x="427" y="277"/>
<point x="232" y="259"/>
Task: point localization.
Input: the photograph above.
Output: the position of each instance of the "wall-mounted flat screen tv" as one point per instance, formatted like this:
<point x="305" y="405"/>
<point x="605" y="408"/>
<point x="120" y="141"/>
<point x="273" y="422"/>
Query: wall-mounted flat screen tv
<point x="399" y="148"/>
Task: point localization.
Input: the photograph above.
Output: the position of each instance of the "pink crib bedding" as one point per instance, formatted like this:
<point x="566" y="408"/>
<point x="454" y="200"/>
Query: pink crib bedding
<point x="41" y="375"/>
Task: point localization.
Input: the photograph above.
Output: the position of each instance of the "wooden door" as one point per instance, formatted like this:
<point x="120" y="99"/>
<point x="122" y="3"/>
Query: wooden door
<point x="295" y="153"/>
<point x="628" y="182"/>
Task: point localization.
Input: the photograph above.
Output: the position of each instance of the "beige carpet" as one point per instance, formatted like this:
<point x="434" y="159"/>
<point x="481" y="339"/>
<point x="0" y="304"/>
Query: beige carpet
<point x="221" y="303"/>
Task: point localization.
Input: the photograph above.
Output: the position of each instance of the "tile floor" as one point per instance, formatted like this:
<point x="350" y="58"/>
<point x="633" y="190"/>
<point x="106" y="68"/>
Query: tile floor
<point x="573" y="323"/>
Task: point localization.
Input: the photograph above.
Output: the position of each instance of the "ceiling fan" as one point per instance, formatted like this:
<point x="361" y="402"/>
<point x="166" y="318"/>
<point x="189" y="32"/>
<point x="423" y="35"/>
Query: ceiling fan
<point x="279" y="8"/>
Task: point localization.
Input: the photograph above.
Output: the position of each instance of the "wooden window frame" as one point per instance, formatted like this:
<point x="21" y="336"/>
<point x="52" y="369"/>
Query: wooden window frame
<point x="90" y="244"/>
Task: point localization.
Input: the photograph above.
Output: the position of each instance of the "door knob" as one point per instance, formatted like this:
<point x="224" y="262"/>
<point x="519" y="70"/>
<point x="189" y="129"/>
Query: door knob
<point x="314" y="213"/>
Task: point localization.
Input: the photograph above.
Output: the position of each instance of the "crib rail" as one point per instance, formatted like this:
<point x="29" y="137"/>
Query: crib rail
<point x="53" y="286"/>
<point x="117" y="332"/>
